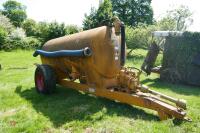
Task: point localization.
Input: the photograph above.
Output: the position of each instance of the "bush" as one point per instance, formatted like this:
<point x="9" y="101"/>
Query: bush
<point x="6" y="24"/>
<point x="18" y="34"/>
<point x="71" y="29"/>
<point x="139" y="37"/>
<point x="47" y="31"/>
<point x="15" y="40"/>
<point x="30" y="26"/>
<point x="55" y="30"/>
<point x="31" y="42"/>
<point x="13" y="43"/>
<point x="3" y="35"/>
<point x="25" y="43"/>
<point x="42" y="29"/>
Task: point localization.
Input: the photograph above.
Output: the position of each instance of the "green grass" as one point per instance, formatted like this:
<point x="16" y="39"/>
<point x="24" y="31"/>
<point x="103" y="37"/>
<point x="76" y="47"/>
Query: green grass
<point x="23" y="110"/>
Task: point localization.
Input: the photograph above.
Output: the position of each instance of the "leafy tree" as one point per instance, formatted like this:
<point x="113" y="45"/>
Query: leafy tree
<point x="133" y="12"/>
<point x="30" y="27"/>
<point x="5" y="23"/>
<point x="166" y="23"/>
<point x="47" y="31"/>
<point x="102" y="16"/>
<point x="42" y="31"/>
<point x="71" y="29"/>
<point x="90" y="20"/>
<point x="104" y="13"/>
<point x="182" y="17"/>
<point x="42" y="27"/>
<point x="15" y="11"/>
<point x="56" y="30"/>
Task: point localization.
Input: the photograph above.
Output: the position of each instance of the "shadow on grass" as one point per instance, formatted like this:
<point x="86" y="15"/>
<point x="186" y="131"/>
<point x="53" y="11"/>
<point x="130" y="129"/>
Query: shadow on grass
<point x="136" y="57"/>
<point x="177" y="88"/>
<point x="67" y="105"/>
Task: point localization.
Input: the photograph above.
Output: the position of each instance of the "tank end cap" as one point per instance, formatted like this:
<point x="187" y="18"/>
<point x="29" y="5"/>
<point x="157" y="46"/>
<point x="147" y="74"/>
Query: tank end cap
<point x="87" y="51"/>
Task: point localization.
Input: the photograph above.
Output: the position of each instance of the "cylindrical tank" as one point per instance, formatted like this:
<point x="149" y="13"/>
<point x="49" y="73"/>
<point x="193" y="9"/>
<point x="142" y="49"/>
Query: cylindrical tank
<point x="104" y="61"/>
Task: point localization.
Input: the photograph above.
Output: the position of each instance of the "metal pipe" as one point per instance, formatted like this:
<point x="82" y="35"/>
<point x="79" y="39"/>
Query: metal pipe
<point x="123" y="44"/>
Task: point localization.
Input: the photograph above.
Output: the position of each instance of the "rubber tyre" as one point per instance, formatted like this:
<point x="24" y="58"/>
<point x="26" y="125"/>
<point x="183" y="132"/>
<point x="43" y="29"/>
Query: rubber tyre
<point x="45" y="79"/>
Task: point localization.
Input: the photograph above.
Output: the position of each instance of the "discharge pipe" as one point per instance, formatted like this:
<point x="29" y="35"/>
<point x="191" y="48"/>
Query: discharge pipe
<point x="61" y="53"/>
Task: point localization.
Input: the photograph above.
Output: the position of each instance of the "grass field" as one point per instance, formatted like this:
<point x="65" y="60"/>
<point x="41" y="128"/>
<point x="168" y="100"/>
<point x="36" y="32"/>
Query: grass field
<point x="23" y="110"/>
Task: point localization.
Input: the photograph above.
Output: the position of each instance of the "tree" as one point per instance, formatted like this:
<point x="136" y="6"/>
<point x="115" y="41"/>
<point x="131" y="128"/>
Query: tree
<point x="133" y="12"/>
<point x="15" y="11"/>
<point x="56" y="30"/>
<point x="182" y="17"/>
<point x="71" y="29"/>
<point x="30" y="27"/>
<point x="102" y="16"/>
<point x="42" y="29"/>
<point x="104" y="13"/>
<point x="166" y="23"/>
<point x="90" y="20"/>
<point x="6" y="24"/>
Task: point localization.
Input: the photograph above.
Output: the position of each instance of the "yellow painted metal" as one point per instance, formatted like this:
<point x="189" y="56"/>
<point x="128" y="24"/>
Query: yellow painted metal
<point x="102" y="73"/>
<point x="101" y="68"/>
<point x="141" y="99"/>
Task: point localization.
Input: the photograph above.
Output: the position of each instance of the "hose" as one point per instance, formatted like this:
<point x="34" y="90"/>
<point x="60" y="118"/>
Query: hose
<point x="61" y="53"/>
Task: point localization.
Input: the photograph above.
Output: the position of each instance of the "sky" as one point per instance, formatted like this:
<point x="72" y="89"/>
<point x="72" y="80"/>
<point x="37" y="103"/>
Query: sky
<point x="161" y="6"/>
<point x="72" y="11"/>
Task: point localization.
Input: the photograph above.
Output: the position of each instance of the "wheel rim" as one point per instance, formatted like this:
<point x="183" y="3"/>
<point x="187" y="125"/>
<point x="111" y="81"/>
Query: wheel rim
<point x="40" y="81"/>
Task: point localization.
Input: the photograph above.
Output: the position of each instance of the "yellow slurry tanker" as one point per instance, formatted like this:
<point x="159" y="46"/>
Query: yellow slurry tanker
<point x="93" y="61"/>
